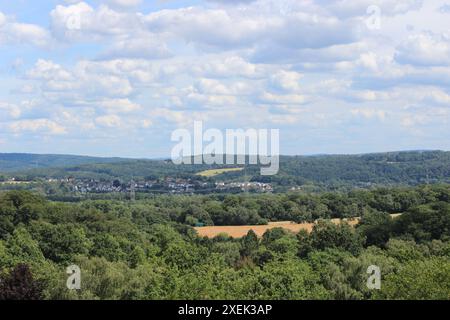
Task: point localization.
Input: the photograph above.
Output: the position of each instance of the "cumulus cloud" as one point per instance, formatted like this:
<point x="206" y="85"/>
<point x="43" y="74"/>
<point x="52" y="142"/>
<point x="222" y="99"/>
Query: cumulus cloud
<point x="348" y="8"/>
<point x="286" y="81"/>
<point x="425" y="49"/>
<point x="48" y="70"/>
<point x="369" y="113"/>
<point x="108" y="121"/>
<point x="144" y="46"/>
<point x="229" y="66"/>
<point x="271" y="98"/>
<point x="123" y="3"/>
<point x="12" y="32"/>
<point x="81" y="81"/>
<point x="82" y="22"/>
<point x="235" y="88"/>
<point x="115" y="67"/>
<point x="118" y="105"/>
<point x="45" y="126"/>
<point x="436" y="97"/>
<point x="213" y="27"/>
<point x="232" y="2"/>
<point x="228" y="29"/>
<point x="10" y="110"/>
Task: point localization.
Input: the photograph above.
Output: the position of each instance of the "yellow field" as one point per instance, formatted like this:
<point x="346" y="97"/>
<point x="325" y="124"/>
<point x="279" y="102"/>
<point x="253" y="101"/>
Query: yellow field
<point x="241" y="231"/>
<point x="216" y="172"/>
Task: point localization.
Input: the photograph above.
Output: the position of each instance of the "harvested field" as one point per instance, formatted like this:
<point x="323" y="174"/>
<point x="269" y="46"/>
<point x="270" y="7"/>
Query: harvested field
<point x="216" y="172"/>
<point x="240" y="231"/>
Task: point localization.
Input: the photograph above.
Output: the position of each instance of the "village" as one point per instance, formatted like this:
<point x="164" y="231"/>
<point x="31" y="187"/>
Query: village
<point x="167" y="185"/>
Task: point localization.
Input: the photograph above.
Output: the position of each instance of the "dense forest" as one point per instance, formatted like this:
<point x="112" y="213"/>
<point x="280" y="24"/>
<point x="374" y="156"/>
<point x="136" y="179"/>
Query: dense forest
<point x="331" y="172"/>
<point x="147" y="249"/>
<point x="13" y="162"/>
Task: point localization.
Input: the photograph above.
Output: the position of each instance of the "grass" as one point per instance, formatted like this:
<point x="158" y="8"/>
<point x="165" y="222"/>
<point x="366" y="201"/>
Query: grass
<point x="216" y="172"/>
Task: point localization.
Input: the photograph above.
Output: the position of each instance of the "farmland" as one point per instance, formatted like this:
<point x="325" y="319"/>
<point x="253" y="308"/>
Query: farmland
<point x="241" y="231"/>
<point x="216" y="172"/>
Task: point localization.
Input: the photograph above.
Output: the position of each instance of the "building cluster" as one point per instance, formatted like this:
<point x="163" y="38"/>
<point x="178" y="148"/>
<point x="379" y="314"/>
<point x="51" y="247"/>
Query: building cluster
<point x="167" y="185"/>
<point x="245" y="186"/>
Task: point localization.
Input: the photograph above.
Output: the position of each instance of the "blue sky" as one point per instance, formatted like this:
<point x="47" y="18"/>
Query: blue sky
<point x="116" y="77"/>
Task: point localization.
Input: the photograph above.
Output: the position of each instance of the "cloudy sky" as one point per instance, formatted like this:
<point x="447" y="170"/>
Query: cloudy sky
<point x="116" y="77"/>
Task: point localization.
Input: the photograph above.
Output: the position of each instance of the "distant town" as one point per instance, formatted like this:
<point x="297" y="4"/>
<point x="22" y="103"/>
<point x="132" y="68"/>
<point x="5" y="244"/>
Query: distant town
<point x="167" y="185"/>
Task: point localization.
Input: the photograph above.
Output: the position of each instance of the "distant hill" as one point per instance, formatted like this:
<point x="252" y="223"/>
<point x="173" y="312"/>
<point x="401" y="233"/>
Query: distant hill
<point x="392" y="168"/>
<point x="11" y="162"/>
<point x="324" y="171"/>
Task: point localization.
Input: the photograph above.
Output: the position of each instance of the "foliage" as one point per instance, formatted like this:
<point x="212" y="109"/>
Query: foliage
<point x="419" y="279"/>
<point x="20" y="285"/>
<point x="147" y="250"/>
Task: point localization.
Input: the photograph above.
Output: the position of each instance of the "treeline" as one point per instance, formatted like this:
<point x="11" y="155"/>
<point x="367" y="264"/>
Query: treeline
<point x="248" y="209"/>
<point x="348" y="171"/>
<point x="13" y="162"/>
<point x="332" y="172"/>
<point x="140" y="251"/>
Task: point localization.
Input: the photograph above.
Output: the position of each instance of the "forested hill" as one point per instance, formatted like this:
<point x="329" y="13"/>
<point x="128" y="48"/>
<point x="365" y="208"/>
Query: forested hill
<point x="10" y="162"/>
<point x="395" y="168"/>
<point x="407" y="168"/>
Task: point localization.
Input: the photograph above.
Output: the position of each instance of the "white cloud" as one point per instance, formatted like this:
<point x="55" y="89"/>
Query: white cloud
<point x="84" y="80"/>
<point x="212" y="27"/>
<point x="145" y="46"/>
<point x="123" y="3"/>
<point x="82" y="22"/>
<point x="12" y="32"/>
<point x="111" y="70"/>
<point x="436" y="96"/>
<point x="215" y="87"/>
<point x="119" y="105"/>
<point x="9" y="109"/>
<point x="37" y="125"/>
<point x="228" y="66"/>
<point x="226" y="29"/>
<point x="349" y="8"/>
<point x="286" y="81"/>
<point x="124" y="30"/>
<point x="48" y="70"/>
<point x="109" y="121"/>
<point x="369" y="113"/>
<point x="270" y="98"/>
<point x="425" y="49"/>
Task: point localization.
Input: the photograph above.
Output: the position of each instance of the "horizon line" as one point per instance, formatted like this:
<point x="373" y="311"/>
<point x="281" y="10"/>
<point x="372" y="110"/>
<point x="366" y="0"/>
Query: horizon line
<point x="168" y="157"/>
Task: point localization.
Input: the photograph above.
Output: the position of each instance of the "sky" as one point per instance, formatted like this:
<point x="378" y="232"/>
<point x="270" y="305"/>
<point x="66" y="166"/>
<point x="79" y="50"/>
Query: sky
<point x="117" y="77"/>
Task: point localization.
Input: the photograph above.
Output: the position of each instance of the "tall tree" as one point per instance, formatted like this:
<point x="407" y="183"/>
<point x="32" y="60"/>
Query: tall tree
<point x="20" y="285"/>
